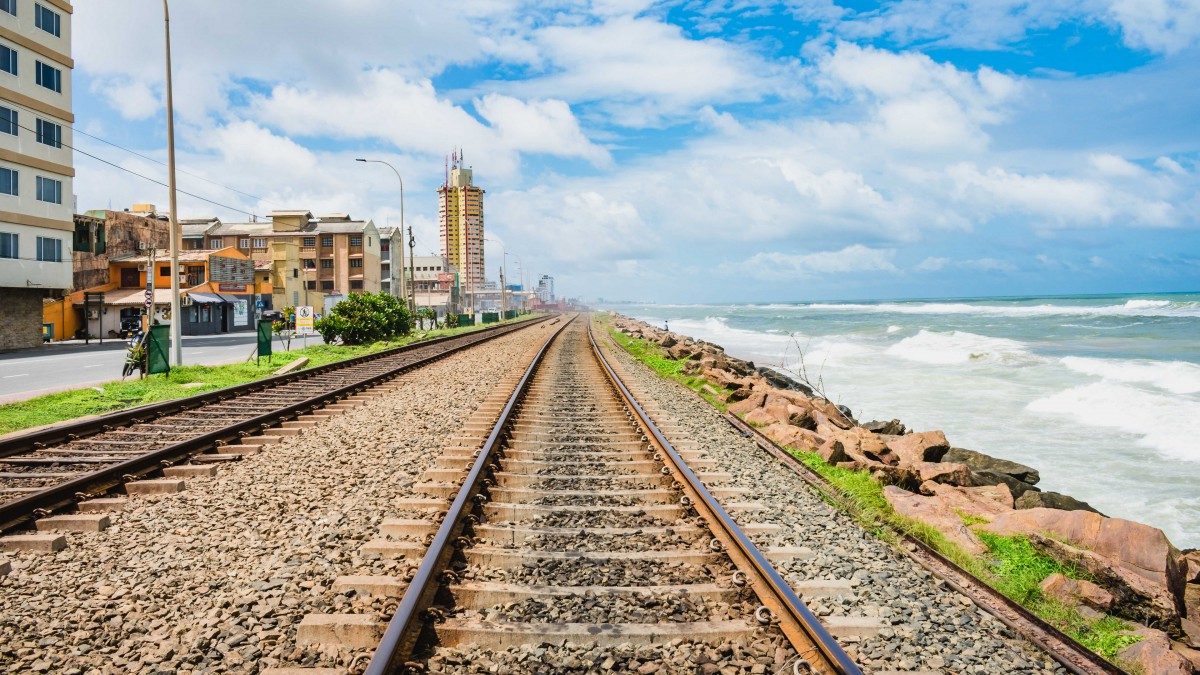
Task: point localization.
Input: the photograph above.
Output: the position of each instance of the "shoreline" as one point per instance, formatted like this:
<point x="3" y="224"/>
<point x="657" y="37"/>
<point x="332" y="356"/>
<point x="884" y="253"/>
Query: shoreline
<point x="1130" y="570"/>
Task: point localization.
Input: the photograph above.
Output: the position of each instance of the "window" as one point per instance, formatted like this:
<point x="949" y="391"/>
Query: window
<point x="9" y="6"/>
<point x="356" y="241"/>
<point x="243" y="243"/>
<point x="195" y="274"/>
<point x="356" y="262"/>
<point x="8" y="59"/>
<point x="310" y="264"/>
<point x="49" y="249"/>
<point x="214" y="242"/>
<point x="327" y="241"/>
<point x="46" y="19"/>
<point x="309" y="241"/>
<point x="164" y="271"/>
<point x="8" y="181"/>
<point x="48" y="133"/>
<point x="8" y="245"/>
<point x="327" y="264"/>
<point x="356" y="285"/>
<point x="49" y="190"/>
<point x="8" y="120"/>
<point x="260" y="243"/>
<point x="49" y="77"/>
<point x="311" y="285"/>
<point x="385" y="246"/>
<point x="327" y="285"/>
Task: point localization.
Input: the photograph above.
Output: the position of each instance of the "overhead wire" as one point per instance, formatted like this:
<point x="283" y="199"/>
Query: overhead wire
<point x="130" y="171"/>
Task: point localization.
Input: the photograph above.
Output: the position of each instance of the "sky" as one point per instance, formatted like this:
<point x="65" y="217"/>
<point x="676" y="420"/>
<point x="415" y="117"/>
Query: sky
<point x="684" y="151"/>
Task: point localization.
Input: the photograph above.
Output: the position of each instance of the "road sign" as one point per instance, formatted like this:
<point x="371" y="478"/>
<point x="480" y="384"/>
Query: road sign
<point x="304" y="321"/>
<point x="149" y="298"/>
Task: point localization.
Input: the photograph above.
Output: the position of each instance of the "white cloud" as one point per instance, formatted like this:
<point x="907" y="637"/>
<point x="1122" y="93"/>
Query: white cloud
<point x="932" y="264"/>
<point x="1158" y="25"/>
<point x="855" y="258"/>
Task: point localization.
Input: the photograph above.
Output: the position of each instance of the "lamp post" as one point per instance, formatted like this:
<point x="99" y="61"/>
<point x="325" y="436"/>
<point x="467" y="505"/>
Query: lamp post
<point x="408" y="296"/>
<point x="503" y="275"/>
<point x="176" y="318"/>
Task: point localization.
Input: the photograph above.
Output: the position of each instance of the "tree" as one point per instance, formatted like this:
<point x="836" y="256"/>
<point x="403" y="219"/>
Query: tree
<point x="427" y="314"/>
<point x="363" y="318"/>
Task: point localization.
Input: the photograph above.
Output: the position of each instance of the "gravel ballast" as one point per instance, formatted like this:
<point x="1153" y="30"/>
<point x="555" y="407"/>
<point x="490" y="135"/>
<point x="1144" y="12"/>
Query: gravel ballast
<point x="216" y="578"/>
<point x="933" y="628"/>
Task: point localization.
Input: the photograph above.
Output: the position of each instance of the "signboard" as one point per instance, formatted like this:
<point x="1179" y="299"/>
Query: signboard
<point x="241" y="313"/>
<point x="231" y="288"/>
<point x="230" y="270"/>
<point x="158" y="350"/>
<point x="264" y="339"/>
<point x="304" y="321"/>
<point x="445" y="281"/>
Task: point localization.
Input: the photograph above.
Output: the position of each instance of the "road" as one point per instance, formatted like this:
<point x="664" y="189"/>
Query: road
<point x="58" y="367"/>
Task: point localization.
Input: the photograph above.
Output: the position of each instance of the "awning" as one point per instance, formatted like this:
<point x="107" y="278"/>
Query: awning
<point x="233" y="298"/>
<point x="205" y="298"/>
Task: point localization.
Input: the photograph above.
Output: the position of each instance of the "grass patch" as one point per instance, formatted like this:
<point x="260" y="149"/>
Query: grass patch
<point x="655" y="355"/>
<point x="1011" y="565"/>
<point x="119" y="395"/>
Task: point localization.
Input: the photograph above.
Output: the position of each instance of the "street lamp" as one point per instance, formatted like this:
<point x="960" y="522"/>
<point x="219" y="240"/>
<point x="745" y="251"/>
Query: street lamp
<point x="403" y="285"/>
<point x="176" y="318"/>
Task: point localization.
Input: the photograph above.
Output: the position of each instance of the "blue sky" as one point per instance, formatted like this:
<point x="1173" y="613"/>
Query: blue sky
<point x="735" y="150"/>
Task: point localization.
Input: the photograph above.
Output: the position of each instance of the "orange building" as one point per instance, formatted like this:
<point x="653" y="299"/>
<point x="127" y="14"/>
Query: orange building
<point x="218" y="294"/>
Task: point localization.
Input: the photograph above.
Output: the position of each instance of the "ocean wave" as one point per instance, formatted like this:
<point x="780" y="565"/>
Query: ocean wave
<point x="1177" y="377"/>
<point x="960" y="347"/>
<point x="1156" y="308"/>
<point x="894" y="329"/>
<point x="1160" y="421"/>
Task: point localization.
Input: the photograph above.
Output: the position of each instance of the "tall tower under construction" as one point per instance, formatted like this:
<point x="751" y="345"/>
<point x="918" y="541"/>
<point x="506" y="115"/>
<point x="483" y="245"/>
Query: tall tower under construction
<point x="460" y="219"/>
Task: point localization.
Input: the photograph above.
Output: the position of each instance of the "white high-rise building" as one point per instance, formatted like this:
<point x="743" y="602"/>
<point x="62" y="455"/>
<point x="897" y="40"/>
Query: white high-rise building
<point x="36" y="209"/>
<point x="545" y="289"/>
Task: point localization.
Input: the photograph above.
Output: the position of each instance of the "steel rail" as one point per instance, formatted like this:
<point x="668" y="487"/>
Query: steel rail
<point x="796" y="621"/>
<point x="18" y="443"/>
<point x="404" y="628"/>
<point x="1061" y="647"/>
<point x="18" y="511"/>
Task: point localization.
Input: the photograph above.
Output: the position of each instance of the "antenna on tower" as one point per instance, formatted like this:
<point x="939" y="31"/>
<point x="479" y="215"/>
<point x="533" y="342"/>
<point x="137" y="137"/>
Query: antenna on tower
<point x="447" y="183"/>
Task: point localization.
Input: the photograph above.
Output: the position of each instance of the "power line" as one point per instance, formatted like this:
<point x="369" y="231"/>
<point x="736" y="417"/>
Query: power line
<point x="6" y="102"/>
<point x="142" y="176"/>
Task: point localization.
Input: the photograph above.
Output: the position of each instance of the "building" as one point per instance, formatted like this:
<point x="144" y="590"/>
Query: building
<point x="102" y="235"/>
<point x="436" y="283"/>
<point x="460" y="223"/>
<point x="334" y="253"/>
<point x="545" y="289"/>
<point x="392" y="272"/>
<point x="218" y="294"/>
<point x="36" y="224"/>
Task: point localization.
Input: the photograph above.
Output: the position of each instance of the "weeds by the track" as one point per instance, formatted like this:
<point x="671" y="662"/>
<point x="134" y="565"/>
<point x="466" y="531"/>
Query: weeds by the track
<point x="656" y="357"/>
<point x="1012" y="565"/>
<point x="119" y="395"/>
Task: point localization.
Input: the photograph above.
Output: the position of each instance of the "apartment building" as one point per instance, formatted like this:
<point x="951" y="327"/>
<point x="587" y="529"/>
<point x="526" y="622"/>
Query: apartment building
<point x="545" y="289"/>
<point x="36" y="224"/>
<point x="103" y="235"/>
<point x="436" y="283"/>
<point x="336" y="253"/>
<point x="460" y="222"/>
<point x="392" y="268"/>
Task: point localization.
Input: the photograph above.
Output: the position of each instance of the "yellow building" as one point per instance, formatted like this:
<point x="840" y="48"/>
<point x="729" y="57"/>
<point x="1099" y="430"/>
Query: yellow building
<point x="460" y="221"/>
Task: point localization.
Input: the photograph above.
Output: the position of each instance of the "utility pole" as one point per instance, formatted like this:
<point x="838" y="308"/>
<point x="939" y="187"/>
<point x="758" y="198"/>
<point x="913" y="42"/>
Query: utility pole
<point x="402" y="283"/>
<point x="176" y="319"/>
<point x="412" y="277"/>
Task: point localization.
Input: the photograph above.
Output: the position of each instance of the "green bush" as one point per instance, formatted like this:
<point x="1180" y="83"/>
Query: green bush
<point x="363" y="318"/>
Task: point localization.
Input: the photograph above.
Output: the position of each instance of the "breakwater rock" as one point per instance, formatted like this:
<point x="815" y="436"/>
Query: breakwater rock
<point x="926" y="478"/>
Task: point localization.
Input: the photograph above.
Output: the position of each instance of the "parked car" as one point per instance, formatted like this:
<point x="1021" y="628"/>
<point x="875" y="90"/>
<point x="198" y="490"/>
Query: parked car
<point x="272" y="315"/>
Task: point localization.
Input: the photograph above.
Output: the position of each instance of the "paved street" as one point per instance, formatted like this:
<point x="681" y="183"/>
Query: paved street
<point x="56" y="367"/>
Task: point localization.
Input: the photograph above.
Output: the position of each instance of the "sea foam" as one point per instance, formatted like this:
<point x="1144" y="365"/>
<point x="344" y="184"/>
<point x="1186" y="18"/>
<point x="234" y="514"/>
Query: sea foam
<point x="1177" y="377"/>
<point x="1156" y="308"/>
<point x="960" y="347"/>
<point x="1161" y="422"/>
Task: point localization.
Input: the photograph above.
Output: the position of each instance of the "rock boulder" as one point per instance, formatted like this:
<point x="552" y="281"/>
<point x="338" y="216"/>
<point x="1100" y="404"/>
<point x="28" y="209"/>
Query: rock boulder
<point x="754" y="400"/>
<point x="833" y="452"/>
<point x="1073" y="592"/>
<point x="780" y="381"/>
<point x="928" y="446"/>
<point x="1052" y="500"/>
<point x="936" y="513"/>
<point x="1154" y="655"/>
<point x="892" y="428"/>
<point x="1017" y="487"/>
<point x="981" y="462"/>
<point x="984" y="502"/>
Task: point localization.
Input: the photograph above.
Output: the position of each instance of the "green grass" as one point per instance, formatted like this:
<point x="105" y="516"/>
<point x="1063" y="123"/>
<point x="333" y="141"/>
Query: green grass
<point x="118" y="395"/>
<point x="655" y="356"/>
<point x="1012" y="565"/>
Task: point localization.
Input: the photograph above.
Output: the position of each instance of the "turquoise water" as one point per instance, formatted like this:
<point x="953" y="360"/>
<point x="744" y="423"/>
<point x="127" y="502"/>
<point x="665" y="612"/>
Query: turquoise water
<point x="1100" y="393"/>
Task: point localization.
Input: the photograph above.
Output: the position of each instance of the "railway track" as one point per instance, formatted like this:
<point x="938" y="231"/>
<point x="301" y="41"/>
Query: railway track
<point x="581" y="540"/>
<point x="47" y="470"/>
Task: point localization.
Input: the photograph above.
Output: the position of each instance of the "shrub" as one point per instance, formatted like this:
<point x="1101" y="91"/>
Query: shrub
<point x="363" y="318"/>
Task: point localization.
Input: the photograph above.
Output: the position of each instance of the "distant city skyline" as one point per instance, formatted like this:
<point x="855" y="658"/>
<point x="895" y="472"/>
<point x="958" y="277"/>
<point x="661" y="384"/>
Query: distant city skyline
<point x="682" y="152"/>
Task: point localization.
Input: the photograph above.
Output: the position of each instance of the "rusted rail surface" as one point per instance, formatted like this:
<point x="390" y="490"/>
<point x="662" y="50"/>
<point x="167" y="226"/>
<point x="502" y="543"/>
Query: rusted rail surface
<point x="415" y="628"/>
<point x="136" y="442"/>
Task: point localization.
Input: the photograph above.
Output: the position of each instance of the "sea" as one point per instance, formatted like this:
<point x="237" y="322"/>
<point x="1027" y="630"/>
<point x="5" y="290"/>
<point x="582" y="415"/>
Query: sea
<point x="1101" y="394"/>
